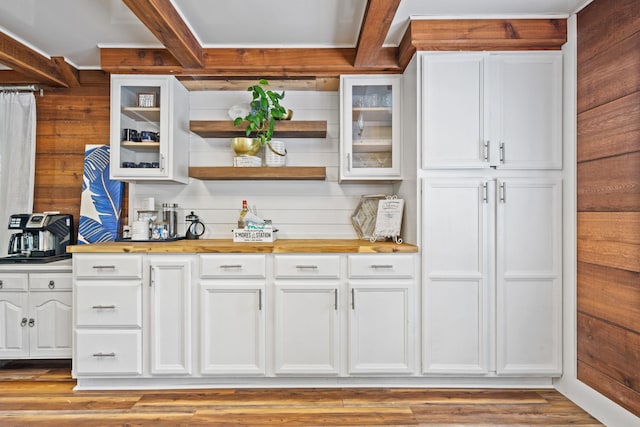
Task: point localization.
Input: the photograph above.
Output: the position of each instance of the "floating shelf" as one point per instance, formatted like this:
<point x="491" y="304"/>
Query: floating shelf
<point x="283" y="129"/>
<point x="258" y="173"/>
<point x="150" y="114"/>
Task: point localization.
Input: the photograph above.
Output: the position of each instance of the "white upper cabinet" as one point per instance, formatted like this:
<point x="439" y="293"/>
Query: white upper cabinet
<point x="149" y="129"/>
<point x="370" y="134"/>
<point x="484" y="110"/>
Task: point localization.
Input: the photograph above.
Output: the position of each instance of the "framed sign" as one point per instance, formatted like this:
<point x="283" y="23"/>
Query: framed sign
<point x="146" y="99"/>
<point x="378" y="216"/>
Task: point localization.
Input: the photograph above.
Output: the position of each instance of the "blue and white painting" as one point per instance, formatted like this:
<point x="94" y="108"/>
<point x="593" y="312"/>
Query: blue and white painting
<point x="101" y="199"/>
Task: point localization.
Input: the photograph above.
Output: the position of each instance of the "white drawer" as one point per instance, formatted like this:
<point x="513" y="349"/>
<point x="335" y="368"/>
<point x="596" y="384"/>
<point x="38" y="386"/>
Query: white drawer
<point x="320" y="266"/>
<point x="14" y="282"/>
<point x="106" y="266"/>
<point x="108" y="303"/>
<point x="50" y="281"/>
<point x="233" y="266"/>
<point x="377" y="266"/>
<point x="108" y="352"/>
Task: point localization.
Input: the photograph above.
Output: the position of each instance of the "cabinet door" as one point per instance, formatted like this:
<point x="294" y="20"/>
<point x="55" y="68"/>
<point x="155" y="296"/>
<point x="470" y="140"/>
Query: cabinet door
<point x="526" y="110"/>
<point x="453" y="134"/>
<point x="381" y="327"/>
<point x="170" y="314"/>
<point x="529" y="288"/>
<point x="370" y="140"/>
<point x="51" y="328"/>
<point x="232" y="328"/>
<point x="14" y="332"/>
<point x="148" y="136"/>
<point x="306" y="331"/>
<point x="456" y="275"/>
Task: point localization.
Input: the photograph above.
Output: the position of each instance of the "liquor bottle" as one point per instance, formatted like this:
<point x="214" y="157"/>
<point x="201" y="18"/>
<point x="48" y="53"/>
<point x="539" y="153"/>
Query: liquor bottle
<point x="243" y="213"/>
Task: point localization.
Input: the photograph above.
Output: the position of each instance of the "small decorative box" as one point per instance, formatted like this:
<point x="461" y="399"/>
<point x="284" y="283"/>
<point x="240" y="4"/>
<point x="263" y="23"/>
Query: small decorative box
<point x="249" y="235"/>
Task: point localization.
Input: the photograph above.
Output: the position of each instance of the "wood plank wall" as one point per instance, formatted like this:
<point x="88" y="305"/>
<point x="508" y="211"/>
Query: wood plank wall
<point x="67" y="120"/>
<point x="609" y="200"/>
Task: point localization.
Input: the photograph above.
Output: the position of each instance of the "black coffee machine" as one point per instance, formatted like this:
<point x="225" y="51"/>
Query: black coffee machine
<point x="43" y="237"/>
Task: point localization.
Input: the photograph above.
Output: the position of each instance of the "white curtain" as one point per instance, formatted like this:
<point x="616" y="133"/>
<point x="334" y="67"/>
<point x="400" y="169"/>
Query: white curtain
<point x="17" y="158"/>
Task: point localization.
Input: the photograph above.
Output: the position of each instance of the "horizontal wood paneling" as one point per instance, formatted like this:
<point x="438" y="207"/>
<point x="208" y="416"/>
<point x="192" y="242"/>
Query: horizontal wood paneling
<point x="610" y="184"/>
<point x="610" y="239"/>
<point x="610" y="129"/>
<point x="610" y="349"/>
<point x="617" y="392"/>
<point x="596" y="21"/>
<point x="603" y="287"/>
<point x="609" y="75"/>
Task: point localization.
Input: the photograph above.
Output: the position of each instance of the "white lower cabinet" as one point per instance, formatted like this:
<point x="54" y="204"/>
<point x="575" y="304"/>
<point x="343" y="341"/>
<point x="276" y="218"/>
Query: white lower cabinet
<point x="232" y="314"/>
<point x="170" y="314"/>
<point x="381" y="314"/>
<point x="492" y="276"/>
<point x="35" y="309"/>
<point x="306" y="327"/>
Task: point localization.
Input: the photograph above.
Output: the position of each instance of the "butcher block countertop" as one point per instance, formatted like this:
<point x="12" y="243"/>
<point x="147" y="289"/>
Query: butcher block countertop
<point x="228" y="246"/>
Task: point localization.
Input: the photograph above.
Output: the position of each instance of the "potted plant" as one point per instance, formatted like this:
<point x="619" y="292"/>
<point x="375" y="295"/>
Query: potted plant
<point x="265" y="110"/>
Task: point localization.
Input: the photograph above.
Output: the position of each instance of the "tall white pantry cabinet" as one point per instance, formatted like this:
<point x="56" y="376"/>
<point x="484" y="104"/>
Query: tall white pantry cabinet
<point x="491" y="228"/>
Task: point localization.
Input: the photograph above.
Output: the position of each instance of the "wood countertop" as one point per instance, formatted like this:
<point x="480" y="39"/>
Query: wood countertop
<point x="228" y="246"/>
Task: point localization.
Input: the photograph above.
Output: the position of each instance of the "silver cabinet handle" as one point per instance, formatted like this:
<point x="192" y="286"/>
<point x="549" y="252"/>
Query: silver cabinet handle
<point x="312" y="267"/>
<point x="502" y="152"/>
<point x="104" y="267"/>
<point x="24" y="322"/>
<point x="485" y="192"/>
<point x="353" y="299"/>
<point x="381" y="266"/>
<point x="231" y="266"/>
<point x="52" y="284"/>
<point x="112" y="354"/>
<point x="503" y="193"/>
<point x="485" y="151"/>
<point x="104" y="307"/>
<point x="335" y="299"/>
<point x="259" y="299"/>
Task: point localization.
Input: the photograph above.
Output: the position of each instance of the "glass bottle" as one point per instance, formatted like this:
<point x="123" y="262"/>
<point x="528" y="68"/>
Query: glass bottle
<point x="243" y="213"/>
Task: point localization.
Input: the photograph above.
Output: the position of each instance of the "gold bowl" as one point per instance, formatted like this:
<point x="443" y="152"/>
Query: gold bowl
<point x="245" y="146"/>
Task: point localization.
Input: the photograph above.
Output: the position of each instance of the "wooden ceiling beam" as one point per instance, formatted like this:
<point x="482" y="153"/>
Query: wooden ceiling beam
<point x="164" y="21"/>
<point x="481" y="34"/>
<point x="375" y="25"/>
<point x="256" y="62"/>
<point x="32" y="64"/>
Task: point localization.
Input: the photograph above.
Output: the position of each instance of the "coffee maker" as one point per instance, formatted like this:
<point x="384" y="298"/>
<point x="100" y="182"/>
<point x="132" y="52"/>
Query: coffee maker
<point x="42" y="237"/>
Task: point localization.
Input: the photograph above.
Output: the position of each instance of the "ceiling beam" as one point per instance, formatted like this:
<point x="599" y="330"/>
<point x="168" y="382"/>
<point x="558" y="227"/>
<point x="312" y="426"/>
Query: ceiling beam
<point x="164" y="21"/>
<point x="255" y="62"/>
<point x="481" y="34"/>
<point x="375" y="25"/>
<point x="27" y="61"/>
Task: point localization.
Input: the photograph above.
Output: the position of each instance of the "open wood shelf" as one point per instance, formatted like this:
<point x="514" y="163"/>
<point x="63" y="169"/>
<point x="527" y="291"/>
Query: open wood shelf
<point x="258" y="173"/>
<point x="283" y="129"/>
<point x="149" y="114"/>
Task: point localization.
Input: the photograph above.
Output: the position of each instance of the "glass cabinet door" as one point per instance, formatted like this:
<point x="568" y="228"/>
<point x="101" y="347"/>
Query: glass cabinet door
<point x="370" y="132"/>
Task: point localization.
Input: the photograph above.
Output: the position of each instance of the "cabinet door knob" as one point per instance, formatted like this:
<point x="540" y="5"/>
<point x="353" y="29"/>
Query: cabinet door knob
<point x="24" y="322"/>
<point x="32" y="322"/>
<point x="52" y="284"/>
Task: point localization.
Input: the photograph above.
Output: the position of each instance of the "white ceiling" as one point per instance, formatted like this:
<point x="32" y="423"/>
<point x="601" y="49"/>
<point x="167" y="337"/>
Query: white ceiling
<point x="76" y="29"/>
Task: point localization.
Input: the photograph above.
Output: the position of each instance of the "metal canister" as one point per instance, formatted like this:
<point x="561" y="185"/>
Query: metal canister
<point x="170" y="216"/>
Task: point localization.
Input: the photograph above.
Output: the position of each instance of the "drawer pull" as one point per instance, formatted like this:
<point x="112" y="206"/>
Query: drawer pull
<point x="104" y="267"/>
<point x="112" y="354"/>
<point x="311" y="267"/>
<point x="376" y="266"/>
<point x="231" y="266"/>
<point x="52" y="284"/>
<point x="104" y="307"/>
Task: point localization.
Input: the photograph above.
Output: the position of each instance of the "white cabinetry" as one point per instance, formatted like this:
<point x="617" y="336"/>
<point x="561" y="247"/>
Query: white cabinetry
<point x="381" y="314"/>
<point x="232" y="314"/>
<point x="494" y="109"/>
<point x="486" y="284"/>
<point x="170" y="314"/>
<point x="108" y="315"/>
<point x="370" y="133"/>
<point x="35" y="308"/>
<point x="307" y="293"/>
<point x="159" y="107"/>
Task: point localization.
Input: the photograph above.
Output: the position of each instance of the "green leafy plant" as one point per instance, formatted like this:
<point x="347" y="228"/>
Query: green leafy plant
<point x="265" y="110"/>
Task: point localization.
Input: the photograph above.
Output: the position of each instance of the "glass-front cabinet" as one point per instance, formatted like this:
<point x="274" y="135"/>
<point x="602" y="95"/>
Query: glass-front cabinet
<point x="370" y="135"/>
<point x="149" y="128"/>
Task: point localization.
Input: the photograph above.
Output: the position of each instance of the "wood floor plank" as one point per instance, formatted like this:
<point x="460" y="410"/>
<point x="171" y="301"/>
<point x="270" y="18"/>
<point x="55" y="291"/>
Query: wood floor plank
<point x="443" y="396"/>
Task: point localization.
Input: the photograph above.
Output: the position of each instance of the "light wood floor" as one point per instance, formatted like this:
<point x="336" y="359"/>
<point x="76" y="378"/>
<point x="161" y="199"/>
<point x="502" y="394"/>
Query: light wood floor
<point x="41" y="393"/>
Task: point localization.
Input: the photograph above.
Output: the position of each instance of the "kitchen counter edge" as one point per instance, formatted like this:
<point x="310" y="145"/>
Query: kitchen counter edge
<point x="228" y="246"/>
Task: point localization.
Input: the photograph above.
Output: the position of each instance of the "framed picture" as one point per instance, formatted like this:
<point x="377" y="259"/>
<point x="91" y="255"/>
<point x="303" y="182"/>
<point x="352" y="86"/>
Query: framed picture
<point x="146" y="99"/>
